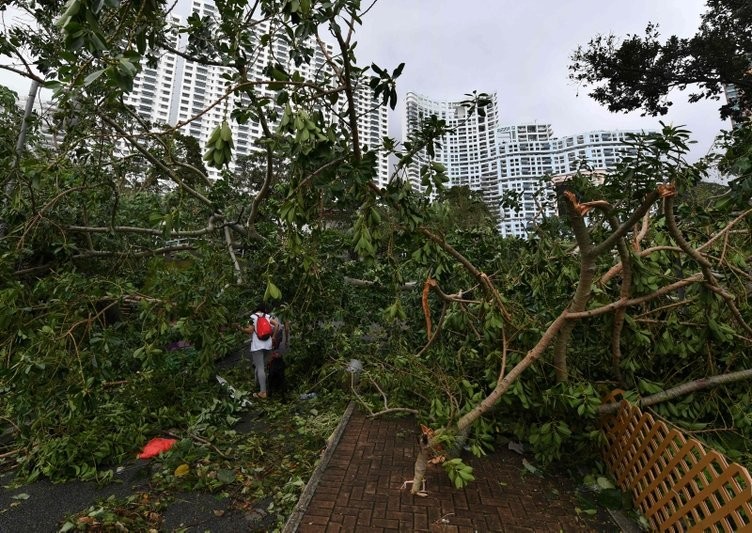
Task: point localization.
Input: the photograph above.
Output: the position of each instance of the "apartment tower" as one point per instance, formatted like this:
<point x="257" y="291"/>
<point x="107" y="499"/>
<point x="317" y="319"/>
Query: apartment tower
<point x="468" y="151"/>
<point x="492" y="158"/>
<point x="178" y="91"/>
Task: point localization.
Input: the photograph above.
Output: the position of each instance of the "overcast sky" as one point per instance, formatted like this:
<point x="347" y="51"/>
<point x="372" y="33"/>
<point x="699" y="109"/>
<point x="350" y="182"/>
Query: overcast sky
<point x="520" y="50"/>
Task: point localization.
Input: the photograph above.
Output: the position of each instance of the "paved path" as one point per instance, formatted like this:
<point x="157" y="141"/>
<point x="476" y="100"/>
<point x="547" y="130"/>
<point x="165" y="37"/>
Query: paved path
<point x="359" y="490"/>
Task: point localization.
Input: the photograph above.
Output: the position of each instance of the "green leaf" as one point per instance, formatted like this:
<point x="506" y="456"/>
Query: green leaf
<point x="226" y="476"/>
<point x="272" y="292"/>
<point x="226" y="132"/>
<point x="97" y="42"/>
<point x="127" y="68"/>
<point x="72" y="9"/>
<point x="91" y="78"/>
<point x="123" y="82"/>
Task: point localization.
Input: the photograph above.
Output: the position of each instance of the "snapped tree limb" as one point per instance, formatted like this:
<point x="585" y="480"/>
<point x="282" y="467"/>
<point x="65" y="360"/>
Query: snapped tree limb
<point x="681" y="390"/>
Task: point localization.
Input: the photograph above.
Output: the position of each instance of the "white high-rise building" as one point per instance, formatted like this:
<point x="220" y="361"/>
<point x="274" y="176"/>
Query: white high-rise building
<point x="493" y="159"/>
<point x="178" y="91"/>
<point x="373" y="126"/>
<point x="529" y="151"/>
<point x="153" y="89"/>
<point x="468" y="152"/>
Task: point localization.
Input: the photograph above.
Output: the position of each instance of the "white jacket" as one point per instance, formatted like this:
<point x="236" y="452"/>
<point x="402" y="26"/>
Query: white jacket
<point x="256" y="343"/>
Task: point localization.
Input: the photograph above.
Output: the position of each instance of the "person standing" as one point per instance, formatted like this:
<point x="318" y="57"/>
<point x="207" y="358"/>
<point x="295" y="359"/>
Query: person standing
<point x="260" y="348"/>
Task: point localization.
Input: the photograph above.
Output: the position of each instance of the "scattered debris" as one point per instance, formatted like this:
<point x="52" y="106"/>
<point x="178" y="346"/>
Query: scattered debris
<point x="443" y="519"/>
<point x="516" y="447"/>
<point x="354" y="366"/>
<point x="531" y="468"/>
<point x="156" y="446"/>
<point x="235" y="394"/>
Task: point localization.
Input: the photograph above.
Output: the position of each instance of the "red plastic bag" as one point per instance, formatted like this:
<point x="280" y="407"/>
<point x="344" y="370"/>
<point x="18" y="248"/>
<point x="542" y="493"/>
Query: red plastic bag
<point x="155" y="446"/>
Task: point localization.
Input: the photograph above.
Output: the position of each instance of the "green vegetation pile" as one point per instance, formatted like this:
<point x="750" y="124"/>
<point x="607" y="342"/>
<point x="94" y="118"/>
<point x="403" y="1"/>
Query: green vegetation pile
<point x="640" y="282"/>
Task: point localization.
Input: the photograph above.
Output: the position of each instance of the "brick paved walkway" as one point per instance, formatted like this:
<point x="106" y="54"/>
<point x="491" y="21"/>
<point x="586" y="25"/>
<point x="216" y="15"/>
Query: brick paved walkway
<point x="359" y="490"/>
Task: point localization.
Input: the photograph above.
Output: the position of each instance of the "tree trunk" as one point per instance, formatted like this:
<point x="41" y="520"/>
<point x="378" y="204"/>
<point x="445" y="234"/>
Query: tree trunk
<point x="20" y="147"/>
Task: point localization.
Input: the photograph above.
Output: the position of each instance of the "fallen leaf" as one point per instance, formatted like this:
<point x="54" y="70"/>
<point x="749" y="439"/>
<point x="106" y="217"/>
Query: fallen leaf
<point x="529" y="467"/>
<point x="182" y="470"/>
<point x="226" y="475"/>
<point x="516" y="447"/>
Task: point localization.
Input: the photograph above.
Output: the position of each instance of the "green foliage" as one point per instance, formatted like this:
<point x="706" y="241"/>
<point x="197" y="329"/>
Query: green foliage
<point x="459" y="473"/>
<point x="598" y="491"/>
<point x="464" y="209"/>
<point x="737" y="162"/>
<point x="114" y="513"/>
<point x="268" y="463"/>
<point x="637" y="72"/>
<point x="384" y="85"/>
<point x="219" y="146"/>
<point x="89" y="232"/>
<point x="666" y="342"/>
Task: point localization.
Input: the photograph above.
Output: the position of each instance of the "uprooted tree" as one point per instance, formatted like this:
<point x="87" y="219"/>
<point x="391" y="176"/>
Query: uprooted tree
<point x="641" y="282"/>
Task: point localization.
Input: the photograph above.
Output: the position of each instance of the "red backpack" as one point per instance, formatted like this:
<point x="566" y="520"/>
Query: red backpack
<point x="263" y="328"/>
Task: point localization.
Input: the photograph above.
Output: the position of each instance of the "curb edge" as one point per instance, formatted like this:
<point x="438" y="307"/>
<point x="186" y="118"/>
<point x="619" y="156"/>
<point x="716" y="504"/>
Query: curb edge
<point x="293" y="522"/>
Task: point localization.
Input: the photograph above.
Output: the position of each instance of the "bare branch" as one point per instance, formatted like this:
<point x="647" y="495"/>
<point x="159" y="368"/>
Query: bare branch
<point x="148" y="155"/>
<point x="636" y="301"/>
<point x="681" y="390"/>
<point x="368" y="283"/>
<point x="726" y="229"/>
<point x="144" y="231"/>
<point x="38" y="215"/>
<point x="236" y="265"/>
<point x="705" y="265"/>
<point x="642" y="232"/>
<point x="436" y="332"/>
<point x="614" y="270"/>
<point x="266" y="186"/>
<point x="622" y="230"/>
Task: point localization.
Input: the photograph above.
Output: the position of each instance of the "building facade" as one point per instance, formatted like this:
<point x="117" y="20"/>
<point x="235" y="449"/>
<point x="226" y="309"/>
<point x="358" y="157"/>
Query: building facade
<point x="468" y="151"/>
<point x="528" y="152"/>
<point x="493" y="159"/>
<point x="373" y="126"/>
<point x="178" y="91"/>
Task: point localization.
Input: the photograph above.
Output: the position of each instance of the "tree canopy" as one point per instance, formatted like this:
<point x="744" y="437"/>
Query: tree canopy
<point x="639" y="72"/>
<point x="117" y="242"/>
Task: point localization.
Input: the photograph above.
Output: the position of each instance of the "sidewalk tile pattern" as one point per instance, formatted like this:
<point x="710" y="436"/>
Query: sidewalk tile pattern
<point x="360" y="490"/>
